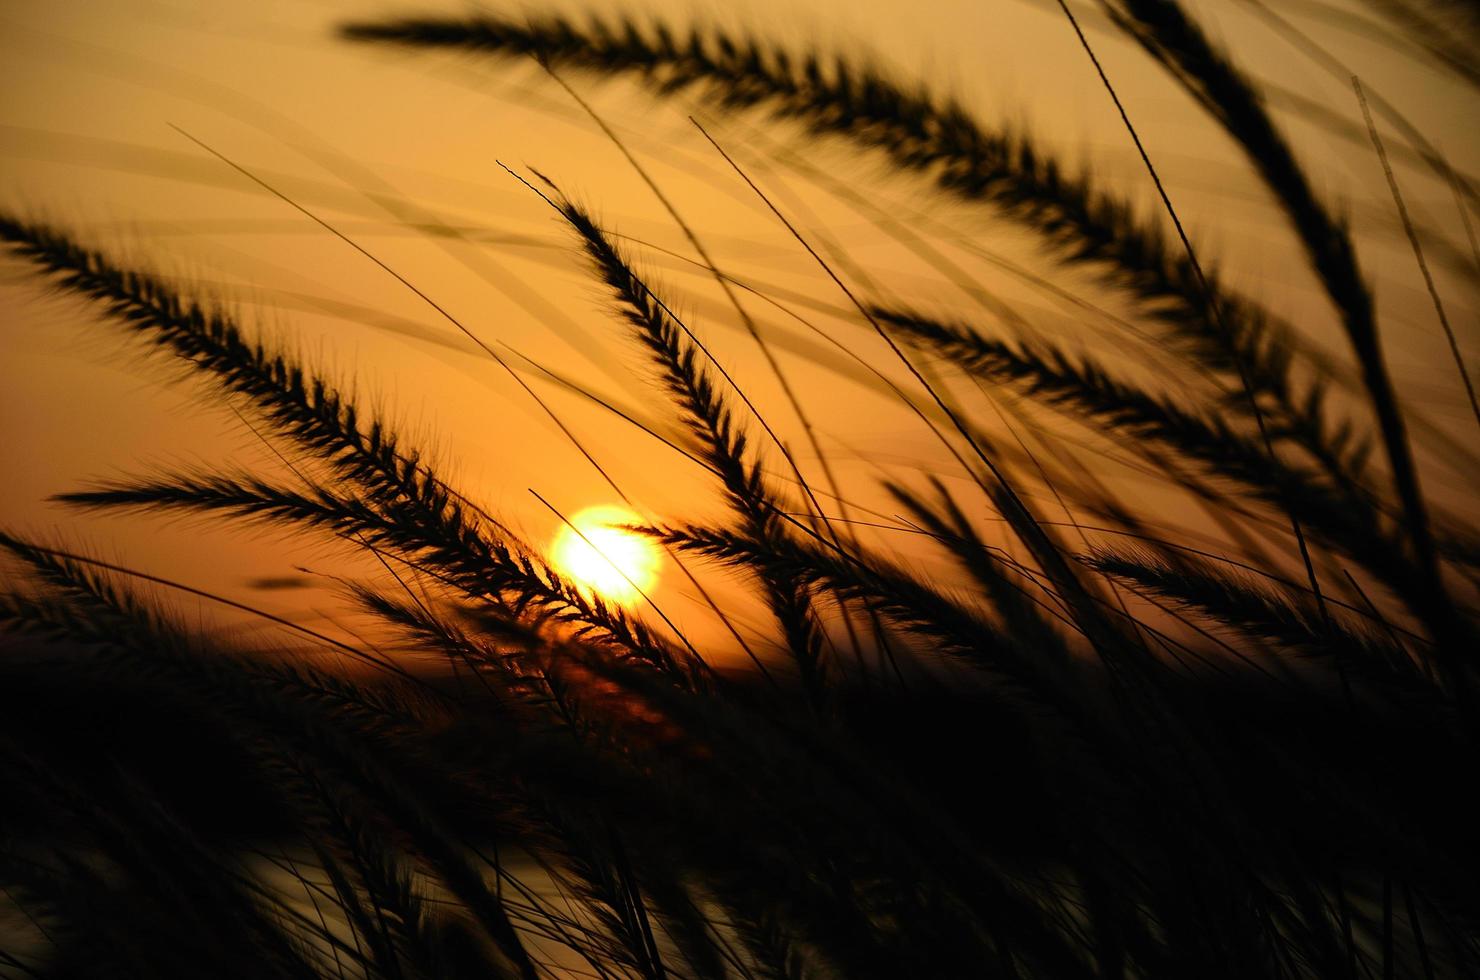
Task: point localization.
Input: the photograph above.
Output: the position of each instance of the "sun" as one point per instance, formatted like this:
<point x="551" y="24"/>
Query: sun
<point x="594" y="550"/>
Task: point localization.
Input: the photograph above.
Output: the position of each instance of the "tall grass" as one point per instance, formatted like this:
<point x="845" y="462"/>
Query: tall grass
<point x="1118" y="756"/>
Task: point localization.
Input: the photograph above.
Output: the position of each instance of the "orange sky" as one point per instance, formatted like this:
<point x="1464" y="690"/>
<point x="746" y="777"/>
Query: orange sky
<point x="86" y="140"/>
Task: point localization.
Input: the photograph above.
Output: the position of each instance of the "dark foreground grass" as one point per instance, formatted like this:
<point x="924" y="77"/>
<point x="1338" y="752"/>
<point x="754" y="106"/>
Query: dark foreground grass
<point x="1119" y="757"/>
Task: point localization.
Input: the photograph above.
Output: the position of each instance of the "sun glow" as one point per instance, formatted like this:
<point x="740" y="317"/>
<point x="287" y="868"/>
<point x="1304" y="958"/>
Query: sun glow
<point x="596" y="552"/>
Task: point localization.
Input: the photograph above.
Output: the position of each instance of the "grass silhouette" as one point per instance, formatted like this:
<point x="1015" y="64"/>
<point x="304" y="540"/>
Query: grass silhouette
<point x="1120" y="756"/>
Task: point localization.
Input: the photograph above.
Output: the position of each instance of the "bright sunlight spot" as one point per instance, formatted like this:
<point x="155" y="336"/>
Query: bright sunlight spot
<point x="596" y="552"/>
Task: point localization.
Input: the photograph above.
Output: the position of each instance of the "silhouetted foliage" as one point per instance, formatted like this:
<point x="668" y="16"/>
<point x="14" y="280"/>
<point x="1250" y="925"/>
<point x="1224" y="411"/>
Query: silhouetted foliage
<point x="1110" y="759"/>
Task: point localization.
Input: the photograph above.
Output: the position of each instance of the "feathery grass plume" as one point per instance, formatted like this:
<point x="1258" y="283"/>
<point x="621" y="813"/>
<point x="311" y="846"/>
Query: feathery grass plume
<point x="831" y="99"/>
<point x="913" y="606"/>
<point x="724" y="446"/>
<point x="301" y="405"/>
<point x="1011" y="594"/>
<point x="1261" y="613"/>
<point x="1342" y="519"/>
<point x="916" y="129"/>
<point x="1164" y="29"/>
<point x="435" y="533"/>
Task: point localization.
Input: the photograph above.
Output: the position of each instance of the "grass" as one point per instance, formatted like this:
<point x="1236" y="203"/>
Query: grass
<point x="1097" y="752"/>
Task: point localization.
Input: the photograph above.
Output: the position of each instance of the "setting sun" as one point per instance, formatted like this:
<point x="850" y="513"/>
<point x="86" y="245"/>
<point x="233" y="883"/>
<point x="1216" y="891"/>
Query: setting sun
<point x="595" y="550"/>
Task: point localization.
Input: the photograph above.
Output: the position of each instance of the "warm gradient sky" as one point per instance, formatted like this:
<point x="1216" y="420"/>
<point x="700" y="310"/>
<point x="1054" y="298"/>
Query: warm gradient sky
<point x="377" y="142"/>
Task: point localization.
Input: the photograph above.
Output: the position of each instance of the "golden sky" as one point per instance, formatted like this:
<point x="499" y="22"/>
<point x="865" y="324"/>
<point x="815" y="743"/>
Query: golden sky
<point x="376" y="142"/>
